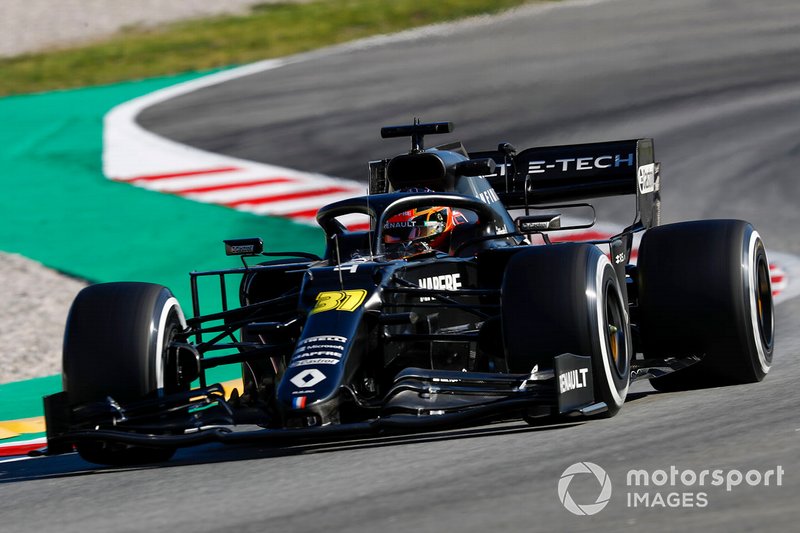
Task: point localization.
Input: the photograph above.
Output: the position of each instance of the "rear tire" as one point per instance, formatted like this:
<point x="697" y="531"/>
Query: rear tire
<point x="566" y="298"/>
<point x="704" y="289"/>
<point x="115" y="344"/>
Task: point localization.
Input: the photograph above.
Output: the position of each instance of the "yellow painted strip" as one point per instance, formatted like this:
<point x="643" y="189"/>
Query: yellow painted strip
<point x="233" y="384"/>
<point x="6" y="434"/>
<point x="15" y="428"/>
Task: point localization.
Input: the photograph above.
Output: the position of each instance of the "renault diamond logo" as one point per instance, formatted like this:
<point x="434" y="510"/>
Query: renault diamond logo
<point x="308" y="378"/>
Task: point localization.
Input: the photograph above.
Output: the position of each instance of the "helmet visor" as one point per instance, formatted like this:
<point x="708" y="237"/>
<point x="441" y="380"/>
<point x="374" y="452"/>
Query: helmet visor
<point x="415" y="225"/>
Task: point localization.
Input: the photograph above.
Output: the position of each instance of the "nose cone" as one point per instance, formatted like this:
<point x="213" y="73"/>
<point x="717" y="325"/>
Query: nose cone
<point x="301" y="387"/>
<point x="317" y="368"/>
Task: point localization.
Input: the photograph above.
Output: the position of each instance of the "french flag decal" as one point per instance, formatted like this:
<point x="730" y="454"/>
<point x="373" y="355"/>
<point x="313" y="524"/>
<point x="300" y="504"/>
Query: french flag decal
<point x="299" y="402"/>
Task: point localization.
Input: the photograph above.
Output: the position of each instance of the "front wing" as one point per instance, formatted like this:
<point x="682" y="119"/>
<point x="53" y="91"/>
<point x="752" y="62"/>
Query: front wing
<point x="420" y="400"/>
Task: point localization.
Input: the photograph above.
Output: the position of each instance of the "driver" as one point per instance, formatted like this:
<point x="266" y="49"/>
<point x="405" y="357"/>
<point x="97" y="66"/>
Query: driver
<point x="421" y="230"/>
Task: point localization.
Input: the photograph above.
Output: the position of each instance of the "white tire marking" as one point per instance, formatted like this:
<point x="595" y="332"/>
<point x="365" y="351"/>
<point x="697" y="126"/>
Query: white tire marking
<point x="619" y="397"/>
<point x="162" y="321"/>
<point x="752" y="288"/>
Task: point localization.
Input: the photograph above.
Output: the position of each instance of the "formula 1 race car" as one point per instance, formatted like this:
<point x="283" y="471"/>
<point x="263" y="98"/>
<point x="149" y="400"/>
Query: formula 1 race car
<point x="441" y="314"/>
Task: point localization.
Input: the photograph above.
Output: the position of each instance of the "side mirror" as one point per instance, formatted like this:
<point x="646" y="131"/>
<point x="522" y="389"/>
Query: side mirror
<point x="252" y="246"/>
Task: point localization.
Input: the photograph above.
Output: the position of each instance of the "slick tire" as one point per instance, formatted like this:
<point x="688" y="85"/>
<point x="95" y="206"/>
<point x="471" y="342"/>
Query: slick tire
<point x="566" y="298"/>
<point x="115" y="345"/>
<point x="705" y="290"/>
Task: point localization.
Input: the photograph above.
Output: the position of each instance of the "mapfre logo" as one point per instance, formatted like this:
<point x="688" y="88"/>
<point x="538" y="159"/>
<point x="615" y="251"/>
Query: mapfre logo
<point x="445" y="282"/>
<point x="596" y="475"/>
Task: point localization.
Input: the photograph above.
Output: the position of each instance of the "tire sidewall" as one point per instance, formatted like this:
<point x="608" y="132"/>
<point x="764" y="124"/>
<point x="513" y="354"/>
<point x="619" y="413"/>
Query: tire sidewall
<point x="611" y="383"/>
<point x="760" y="343"/>
<point x="168" y="318"/>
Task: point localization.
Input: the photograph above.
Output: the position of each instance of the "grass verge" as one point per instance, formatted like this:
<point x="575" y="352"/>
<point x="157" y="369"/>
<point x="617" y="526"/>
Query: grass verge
<point x="270" y="30"/>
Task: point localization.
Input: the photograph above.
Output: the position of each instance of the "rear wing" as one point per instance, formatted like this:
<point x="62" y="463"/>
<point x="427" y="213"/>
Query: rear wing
<point x="558" y="174"/>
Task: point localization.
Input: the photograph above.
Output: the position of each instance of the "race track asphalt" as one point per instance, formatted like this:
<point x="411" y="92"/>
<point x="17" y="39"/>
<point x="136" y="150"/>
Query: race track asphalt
<point x="716" y="83"/>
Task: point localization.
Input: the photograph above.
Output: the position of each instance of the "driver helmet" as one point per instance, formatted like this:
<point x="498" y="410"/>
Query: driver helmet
<point x="422" y="229"/>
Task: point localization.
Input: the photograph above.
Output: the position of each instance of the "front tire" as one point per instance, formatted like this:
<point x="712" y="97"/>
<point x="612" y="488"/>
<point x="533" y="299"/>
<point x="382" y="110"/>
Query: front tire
<point x="115" y="345"/>
<point x="566" y="298"/>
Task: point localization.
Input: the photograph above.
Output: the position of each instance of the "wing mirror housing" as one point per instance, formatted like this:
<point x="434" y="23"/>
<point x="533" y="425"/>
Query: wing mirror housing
<point x="251" y="246"/>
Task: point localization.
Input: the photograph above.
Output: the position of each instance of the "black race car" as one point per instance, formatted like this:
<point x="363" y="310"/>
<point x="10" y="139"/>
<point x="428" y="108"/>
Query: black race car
<point x="441" y="314"/>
